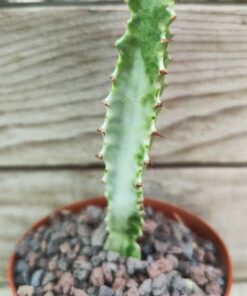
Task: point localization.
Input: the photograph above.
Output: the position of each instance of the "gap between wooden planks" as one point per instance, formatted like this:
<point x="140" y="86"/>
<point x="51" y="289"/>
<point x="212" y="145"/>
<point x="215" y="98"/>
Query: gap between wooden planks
<point x="55" y="64"/>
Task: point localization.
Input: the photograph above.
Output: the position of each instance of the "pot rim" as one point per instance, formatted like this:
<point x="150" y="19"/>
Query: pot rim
<point x="191" y="220"/>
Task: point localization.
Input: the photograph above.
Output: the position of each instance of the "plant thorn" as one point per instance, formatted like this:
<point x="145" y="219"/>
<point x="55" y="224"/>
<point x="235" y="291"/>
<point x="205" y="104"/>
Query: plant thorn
<point x="158" y="105"/>
<point x="113" y="78"/>
<point x="106" y="102"/>
<point x="101" y="130"/>
<point x="174" y="17"/>
<point x="139" y="185"/>
<point x="156" y="133"/>
<point x="147" y="162"/>
<point x="165" y="40"/>
<point x="99" y="156"/>
<point x="163" y="71"/>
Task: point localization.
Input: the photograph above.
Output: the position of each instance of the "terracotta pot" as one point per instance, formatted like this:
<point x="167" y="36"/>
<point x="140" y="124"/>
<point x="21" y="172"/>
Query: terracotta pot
<point x="192" y="221"/>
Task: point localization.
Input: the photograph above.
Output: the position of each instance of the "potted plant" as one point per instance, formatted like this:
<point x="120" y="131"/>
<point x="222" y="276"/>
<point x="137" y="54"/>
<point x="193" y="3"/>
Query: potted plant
<point x="135" y="247"/>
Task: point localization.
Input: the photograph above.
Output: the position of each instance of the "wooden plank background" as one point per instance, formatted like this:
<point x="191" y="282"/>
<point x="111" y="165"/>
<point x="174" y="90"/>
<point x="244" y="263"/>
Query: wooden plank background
<point x="55" y="64"/>
<point x="54" y="69"/>
<point x="64" y="2"/>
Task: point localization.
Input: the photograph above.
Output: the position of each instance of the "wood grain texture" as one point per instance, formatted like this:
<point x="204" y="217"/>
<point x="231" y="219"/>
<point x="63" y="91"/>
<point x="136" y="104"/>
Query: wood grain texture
<point x="239" y="289"/>
<point x="218" y="195"/>
<point x="54" y="71"/>
<point x="64" y="2"/>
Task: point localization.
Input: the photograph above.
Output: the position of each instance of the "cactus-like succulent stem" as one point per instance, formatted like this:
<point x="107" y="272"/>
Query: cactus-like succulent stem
<point x="134" y="100"/>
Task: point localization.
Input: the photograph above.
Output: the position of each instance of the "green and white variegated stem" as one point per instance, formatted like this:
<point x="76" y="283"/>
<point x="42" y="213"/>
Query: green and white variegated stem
<point x="133" y="104"/>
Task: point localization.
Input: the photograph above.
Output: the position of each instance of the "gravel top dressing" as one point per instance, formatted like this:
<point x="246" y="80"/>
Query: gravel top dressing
<point x="67" y="258"/>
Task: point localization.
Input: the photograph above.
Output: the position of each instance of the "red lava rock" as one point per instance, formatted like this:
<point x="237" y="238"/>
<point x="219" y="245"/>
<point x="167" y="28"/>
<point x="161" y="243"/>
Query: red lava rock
<point x="149" y="225"/>
<point x="66" y="282"/>
<point x="132" y="292"/>
<point x="199" y="254"/>
<point x="176" y="250"/>
<point x="50" y="293"/>
<point x="58" y="273"/>
<point x="210" y="257"/>
<point x="97" y="277"/>
<point x="160" y="246"/>
<point x="173" y="259"/>
<point x="107" y="273"/>
<point x="131" y="283"/>
<point x="213" y="289"/>
<point x="198" y="275"/>
<point x="78" y="292"/>
<point x="159" y="218"/>
<point x="167" y="229"/>
<point x="71" y="229"/>
<point x="22" y="248"/>
<point x="122" y="271"/>
<point x="68" y="259"/>
<point x="25" y="290"/>
<point x="212" y="273"/>
<point x="119" y="283"/>
<point x="80" y="261"/>
<point x="159" y="266"/>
